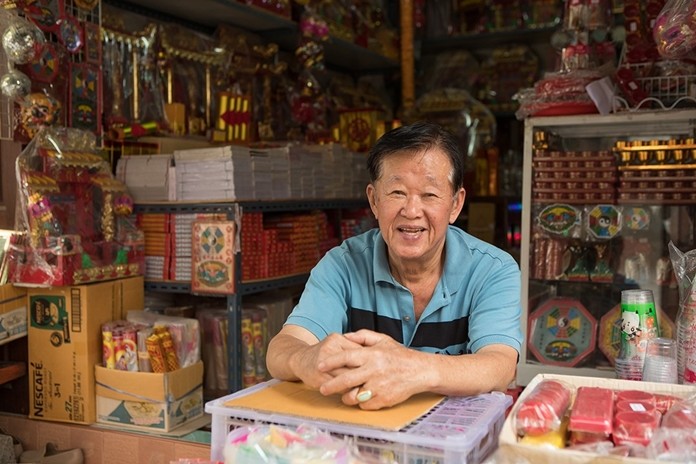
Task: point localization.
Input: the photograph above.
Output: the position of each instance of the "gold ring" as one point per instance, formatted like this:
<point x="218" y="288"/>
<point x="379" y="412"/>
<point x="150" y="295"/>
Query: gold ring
<point x="364" y="395"/>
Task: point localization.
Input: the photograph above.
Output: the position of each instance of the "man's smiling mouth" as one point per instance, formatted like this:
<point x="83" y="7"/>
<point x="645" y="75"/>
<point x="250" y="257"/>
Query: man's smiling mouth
<point x="411" y="230"/>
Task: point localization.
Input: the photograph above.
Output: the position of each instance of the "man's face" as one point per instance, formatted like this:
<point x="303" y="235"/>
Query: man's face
<point x="413" y="202"/>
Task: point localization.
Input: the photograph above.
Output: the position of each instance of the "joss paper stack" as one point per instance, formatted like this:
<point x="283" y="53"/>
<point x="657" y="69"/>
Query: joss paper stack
<point x="155" y="227"/>
<point x="216" y="173"/>
<point x="148" y="177"/>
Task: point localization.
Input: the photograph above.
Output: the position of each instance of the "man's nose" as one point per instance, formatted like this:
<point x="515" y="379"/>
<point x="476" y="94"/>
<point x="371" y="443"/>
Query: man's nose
<point x="412" y="207"/>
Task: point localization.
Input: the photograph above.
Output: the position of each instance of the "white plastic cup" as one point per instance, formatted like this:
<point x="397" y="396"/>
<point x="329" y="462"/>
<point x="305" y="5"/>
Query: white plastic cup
<point x="660" y="363"/>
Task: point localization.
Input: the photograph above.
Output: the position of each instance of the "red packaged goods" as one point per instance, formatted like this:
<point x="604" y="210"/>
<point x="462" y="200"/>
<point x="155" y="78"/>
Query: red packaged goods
<point x="543" y="410"/>
<point x="635" y="406"/>
<point x="664" y="402"/>
<point x="630" y="88"/>
<point x="591" y="416"/>
<point x="562" y="84"/>
<point x="635" y="427"/>
<point x="635" y="396"/>
<point x="682" y="415"/>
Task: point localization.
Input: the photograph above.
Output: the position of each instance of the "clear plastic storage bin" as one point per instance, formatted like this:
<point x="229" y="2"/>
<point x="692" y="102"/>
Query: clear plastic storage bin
<point x="459" y="430"/>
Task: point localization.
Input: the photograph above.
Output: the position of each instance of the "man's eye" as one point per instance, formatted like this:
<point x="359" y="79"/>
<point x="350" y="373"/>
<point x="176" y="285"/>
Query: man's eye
<point x="397" y="193"/>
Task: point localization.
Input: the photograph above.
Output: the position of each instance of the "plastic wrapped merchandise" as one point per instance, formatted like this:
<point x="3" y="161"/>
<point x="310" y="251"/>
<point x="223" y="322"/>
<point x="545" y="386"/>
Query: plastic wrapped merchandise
<point x="675" y="439"/>
<point x="185" y="334"/>
<point x="684" y="265"/>
<point x="270" y="444"/>
<point x="74" y="218"/>
<point x="674" y="30"/>
<point x="543" y="411"/>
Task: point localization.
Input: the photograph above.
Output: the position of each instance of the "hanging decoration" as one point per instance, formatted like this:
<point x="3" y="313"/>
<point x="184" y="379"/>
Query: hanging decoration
<point x="85" y="101"/>
<point x="21" y="42"/>
<point x="191" y="61"/>
<point x="44" y="44"/>
<point x="44" y="67"/>
<point x="70" y="34"/>
<point x="132" y="82"/>
<point x="87" y="5"/>
<point x="44" y="14"/>
<point x="38" y="110"/>
<point x="15" y="84"/>
<point x="269" y="68"/>
<point x="308" y="99"/>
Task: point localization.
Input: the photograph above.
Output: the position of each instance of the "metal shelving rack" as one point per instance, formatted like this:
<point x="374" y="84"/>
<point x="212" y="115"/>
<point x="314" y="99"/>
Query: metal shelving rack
<point x="342" y="55"/>
<point x="233" y="210"/>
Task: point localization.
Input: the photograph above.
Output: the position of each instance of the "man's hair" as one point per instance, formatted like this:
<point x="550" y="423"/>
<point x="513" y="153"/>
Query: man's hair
<point x="416" y="138"/>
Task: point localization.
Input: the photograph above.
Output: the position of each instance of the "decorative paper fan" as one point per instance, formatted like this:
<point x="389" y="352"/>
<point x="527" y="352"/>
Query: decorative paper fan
<point x="559" y="219"/>
<point x="561" y="332"/>
<point x="636" y="218"/>
<point x="604" y="221"/>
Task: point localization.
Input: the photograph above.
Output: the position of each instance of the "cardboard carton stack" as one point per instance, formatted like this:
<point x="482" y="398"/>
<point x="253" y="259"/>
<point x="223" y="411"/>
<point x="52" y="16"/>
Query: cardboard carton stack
<point x="65" y="344"/>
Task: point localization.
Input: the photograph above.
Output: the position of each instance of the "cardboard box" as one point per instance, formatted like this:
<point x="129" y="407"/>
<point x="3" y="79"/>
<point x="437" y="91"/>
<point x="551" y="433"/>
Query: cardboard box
<point x="510" y="449"/>
<point x="65" y="343"/>
<point x="13" y="313"/>
<point x="149" y="401"/>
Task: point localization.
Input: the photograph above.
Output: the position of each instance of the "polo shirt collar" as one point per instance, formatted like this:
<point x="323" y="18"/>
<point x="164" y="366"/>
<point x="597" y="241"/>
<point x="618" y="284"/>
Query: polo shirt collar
<point x="381" y="261"/>
<point x="457" y="253"/>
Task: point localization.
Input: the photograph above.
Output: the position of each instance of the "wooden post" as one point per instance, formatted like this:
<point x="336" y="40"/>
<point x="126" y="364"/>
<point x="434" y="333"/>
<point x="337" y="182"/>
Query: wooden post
<point x="407" y="59"/>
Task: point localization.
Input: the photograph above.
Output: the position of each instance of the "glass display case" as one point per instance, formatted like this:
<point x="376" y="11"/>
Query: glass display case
<point x="603" y="196"/>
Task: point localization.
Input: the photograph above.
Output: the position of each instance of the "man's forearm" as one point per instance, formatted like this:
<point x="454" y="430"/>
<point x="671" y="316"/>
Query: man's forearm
<point x="474" y="373"/>
<point x="280" y="354"/>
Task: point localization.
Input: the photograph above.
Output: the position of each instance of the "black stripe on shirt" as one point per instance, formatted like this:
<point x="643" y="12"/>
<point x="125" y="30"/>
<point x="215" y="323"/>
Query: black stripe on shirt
<point x="439" y="335"/>
<point x="442" y="334"/>
<point x="362" y="319"/>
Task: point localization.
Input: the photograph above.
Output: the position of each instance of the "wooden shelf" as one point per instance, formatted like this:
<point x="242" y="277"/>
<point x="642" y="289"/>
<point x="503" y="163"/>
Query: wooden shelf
<point x="488" y="39"/>
<point x="10" y="371"/>
<point x="339" y="54"/>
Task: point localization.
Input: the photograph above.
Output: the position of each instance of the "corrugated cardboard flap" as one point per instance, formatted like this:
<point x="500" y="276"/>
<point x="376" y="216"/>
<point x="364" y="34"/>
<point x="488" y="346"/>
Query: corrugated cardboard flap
<point x="9" y="292"/>
<point x="148" y="386"/>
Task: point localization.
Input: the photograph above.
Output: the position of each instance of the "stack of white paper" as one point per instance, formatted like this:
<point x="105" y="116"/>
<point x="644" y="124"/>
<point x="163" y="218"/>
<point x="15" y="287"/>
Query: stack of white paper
<point x="262" y="174"/>
<point x="181" y="250"/>
<point x="335" y="171"/>
<point x="345" y="179"/>
<point x="360" y="176"/>
<point x="280" y="172"/>
<point x="310" y="187"/>
<point x="216" y="173"/>
<point x="148" y="177"/>
<point x="299" y="169"/>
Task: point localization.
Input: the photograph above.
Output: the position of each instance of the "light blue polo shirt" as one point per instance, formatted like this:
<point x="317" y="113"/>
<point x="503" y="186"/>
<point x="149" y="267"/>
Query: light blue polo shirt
<point x="476" y="302"/>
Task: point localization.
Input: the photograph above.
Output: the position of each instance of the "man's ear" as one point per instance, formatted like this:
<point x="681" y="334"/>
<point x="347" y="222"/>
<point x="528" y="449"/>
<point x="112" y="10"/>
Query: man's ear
<point x="371" y="194"/>
<point x="457" y="205"/>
